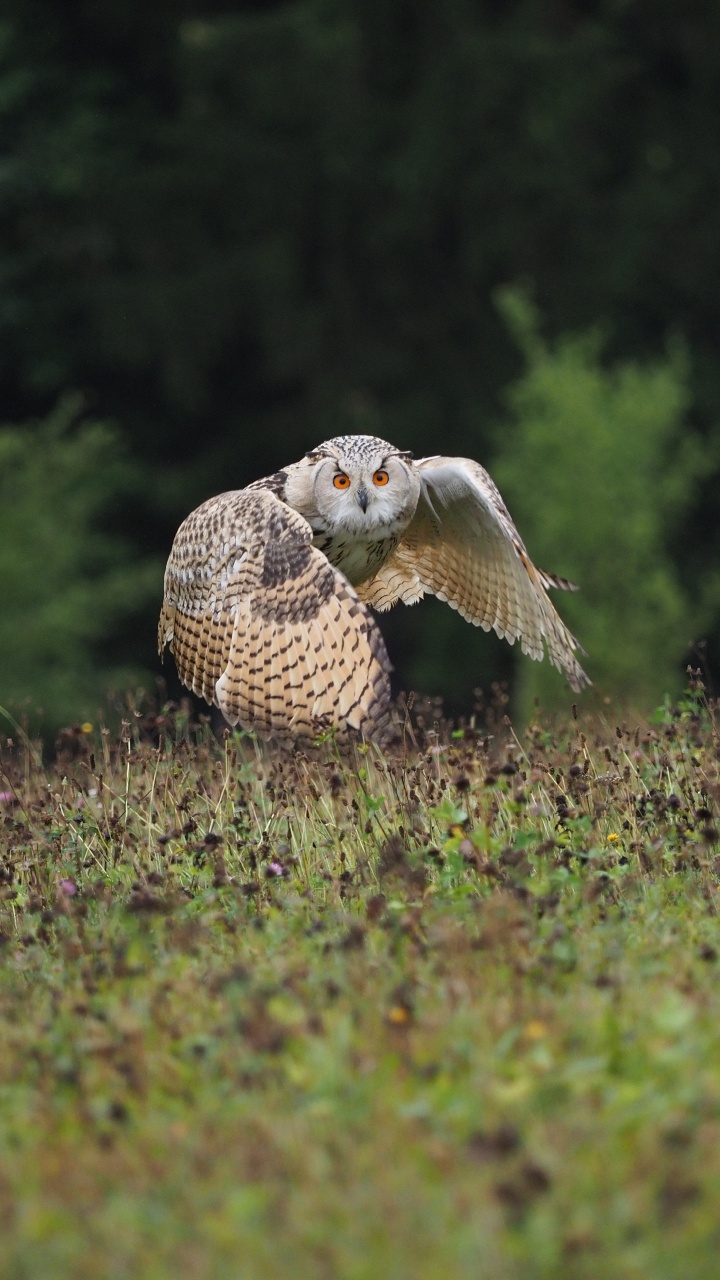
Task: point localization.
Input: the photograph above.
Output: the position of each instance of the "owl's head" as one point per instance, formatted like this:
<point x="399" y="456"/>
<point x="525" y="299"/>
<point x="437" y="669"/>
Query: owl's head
<point x="361" y="485"/>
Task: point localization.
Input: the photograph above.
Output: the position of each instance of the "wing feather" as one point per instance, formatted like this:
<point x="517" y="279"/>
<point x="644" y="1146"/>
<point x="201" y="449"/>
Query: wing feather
<point x="263" y="627"/>
<point x="463" y="547"/>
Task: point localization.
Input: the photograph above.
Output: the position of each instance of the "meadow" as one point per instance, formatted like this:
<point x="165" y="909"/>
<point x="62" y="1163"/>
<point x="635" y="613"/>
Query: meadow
<point x="450" y="1010"/>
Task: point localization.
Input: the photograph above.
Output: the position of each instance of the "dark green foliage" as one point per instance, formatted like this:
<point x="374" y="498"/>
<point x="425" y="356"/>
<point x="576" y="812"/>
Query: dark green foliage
<point x="599" y="467"/>
<point x="242" y="228"/>
<point x="64" y="583"/>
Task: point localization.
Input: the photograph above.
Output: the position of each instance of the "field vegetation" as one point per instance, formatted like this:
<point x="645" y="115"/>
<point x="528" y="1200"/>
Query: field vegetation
<point x="451" y="1010"/>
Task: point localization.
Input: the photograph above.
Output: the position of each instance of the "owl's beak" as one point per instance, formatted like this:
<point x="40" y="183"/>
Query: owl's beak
<point x="362" y="497"/>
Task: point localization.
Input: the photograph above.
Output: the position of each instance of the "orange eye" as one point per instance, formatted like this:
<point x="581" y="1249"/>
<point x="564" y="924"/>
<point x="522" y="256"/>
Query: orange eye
<point x="341" y="481"/>
<point x="380" y="477"/>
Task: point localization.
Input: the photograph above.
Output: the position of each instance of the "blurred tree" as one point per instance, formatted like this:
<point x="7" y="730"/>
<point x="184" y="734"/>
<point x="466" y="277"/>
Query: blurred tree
<point x="599" y="466"/>
<point x="241" y="228"/>
<point x="64" y="584"/>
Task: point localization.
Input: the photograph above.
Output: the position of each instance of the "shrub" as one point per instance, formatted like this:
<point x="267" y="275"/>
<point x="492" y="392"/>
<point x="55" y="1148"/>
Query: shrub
<point x="599" y="466"/>
<point x="65" y="581"/>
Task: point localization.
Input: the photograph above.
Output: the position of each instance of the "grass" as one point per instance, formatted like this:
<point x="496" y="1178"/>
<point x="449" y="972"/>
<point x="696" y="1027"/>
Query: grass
<point x="449" y="1012"/>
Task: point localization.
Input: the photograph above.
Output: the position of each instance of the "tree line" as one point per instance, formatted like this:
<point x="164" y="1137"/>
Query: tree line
<point x="229" y="232"/>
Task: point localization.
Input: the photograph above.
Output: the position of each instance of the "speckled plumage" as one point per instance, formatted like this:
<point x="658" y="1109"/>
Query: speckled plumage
<point x="262" y="625"/>
<point x="267" y="588"/>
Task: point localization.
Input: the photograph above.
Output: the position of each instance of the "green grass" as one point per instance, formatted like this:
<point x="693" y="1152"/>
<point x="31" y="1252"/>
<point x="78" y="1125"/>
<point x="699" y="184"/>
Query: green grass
<point x="449" y="1012"/>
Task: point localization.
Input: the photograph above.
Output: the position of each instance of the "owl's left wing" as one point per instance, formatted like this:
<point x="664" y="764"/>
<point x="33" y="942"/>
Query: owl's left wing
<point x="463" y="547"/>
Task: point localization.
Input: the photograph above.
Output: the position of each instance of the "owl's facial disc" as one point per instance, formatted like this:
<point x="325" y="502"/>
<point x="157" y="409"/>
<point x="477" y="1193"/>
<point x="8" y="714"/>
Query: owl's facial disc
<point x="367" y="497"/>
<point x="355" y="493"/>
<point x="362" y="487"/>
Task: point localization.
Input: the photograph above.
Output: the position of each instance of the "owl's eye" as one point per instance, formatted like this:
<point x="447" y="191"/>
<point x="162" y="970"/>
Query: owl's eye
<point x="380" y="477"/>
<point x="341" y="481"/>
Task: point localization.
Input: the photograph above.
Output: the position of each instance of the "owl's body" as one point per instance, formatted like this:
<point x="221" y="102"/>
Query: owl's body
<point x="266" y="588"/>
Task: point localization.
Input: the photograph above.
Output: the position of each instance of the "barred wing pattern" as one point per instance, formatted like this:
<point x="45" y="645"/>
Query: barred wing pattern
<point x="463" y="547"/>
<point x="263" y="627"/>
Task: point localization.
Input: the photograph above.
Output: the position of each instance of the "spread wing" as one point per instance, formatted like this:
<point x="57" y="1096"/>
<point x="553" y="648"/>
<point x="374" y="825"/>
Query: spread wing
<point x="262" y="626"/>
<point x="463" y="547"/>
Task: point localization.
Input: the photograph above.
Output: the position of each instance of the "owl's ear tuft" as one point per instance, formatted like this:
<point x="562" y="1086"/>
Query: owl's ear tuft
<point x="406" y="455"/>
<point x="314" y="455"/>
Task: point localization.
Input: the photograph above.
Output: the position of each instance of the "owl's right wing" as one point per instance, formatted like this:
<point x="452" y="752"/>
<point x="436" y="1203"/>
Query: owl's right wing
<point x="263" y="627"/>
<point x="463" y="547"/>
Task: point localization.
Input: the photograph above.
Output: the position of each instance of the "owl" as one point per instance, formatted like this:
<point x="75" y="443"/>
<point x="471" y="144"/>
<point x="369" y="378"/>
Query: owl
<point x="269" y="589"/>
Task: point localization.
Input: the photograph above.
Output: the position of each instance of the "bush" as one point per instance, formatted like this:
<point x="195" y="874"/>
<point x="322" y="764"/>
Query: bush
<point x="65" y="583"/>
<point x="599" y="466"/>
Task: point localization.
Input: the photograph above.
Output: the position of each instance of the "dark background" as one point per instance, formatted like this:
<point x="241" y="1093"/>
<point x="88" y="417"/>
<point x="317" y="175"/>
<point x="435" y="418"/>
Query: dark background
<point x="236" y="230"/>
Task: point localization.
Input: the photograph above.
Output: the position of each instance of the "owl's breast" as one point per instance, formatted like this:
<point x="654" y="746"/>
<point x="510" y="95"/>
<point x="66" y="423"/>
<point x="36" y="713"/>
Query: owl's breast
<point x="358" y="558"/>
